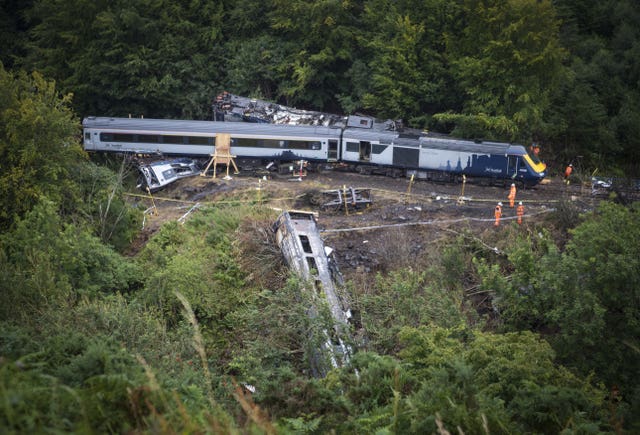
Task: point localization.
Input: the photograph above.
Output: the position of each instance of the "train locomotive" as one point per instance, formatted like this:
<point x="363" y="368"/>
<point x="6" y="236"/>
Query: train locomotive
<point x="360" y="144"/>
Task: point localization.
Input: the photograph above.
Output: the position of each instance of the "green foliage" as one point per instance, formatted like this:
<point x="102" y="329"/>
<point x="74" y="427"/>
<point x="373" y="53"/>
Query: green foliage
<point x="581" y="298"/>
<point x="406" y="74"/>
<point x="595" y="108"/>
<point x="398" y="83"/>
<point x="406" y="298"/>
<point x="40" y="157"/>
<point x="50" y="264"/>
<point x="603" y="258"/>
<point x="38" y="143"/>
<point x="75" y="383"/>
<point x="324" y="34"/>
<point x="97" y="198"/>
<point x="199" y="261"/>
<point x="195" y="260"/>
<point x="496" y="383"/>
<point x="12" y="30"/>
<point x="148" y="57"/>
<point x="506" y="58"/>
<point x="82" y="384"/>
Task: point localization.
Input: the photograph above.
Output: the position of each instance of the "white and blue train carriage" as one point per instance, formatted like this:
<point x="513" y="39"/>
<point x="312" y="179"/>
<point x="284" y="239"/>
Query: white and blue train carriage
<point x="495" y="161"/>
<point x="438" y="158"/>
<point x="198" y="138"/>
<point x="364" y="146"/>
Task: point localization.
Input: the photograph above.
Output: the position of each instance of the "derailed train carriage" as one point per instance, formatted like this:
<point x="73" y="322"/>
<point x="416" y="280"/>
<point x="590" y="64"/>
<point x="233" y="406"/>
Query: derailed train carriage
<point x="360" y="144"/>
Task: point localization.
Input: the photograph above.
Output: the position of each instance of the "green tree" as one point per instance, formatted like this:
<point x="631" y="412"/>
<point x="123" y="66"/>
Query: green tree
<point x="405" y="45"/>
<point x="496" y="383"/>
<point x="38" y="143"/>
<point x="13" y="30"/>
<point x="506" y="58"/>
<point x="324" y="32"/>
<point x="255" y="64"/>
<point x="605" y="264"/>
<point x="146" y="57"/>
<point x="585" y="299"/>
<point x="595" y="111"/>
<point x="49" y="265"/>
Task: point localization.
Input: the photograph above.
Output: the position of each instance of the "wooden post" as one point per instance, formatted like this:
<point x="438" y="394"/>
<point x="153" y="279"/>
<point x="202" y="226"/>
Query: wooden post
<point x="464" y="181"/>
<point x="344" y="195"/>
<point x="409" y="188"/>
<point x="153" y="202"/>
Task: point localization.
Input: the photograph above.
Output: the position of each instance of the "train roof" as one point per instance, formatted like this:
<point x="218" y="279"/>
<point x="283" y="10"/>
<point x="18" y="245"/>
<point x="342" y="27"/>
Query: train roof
<point x="465" y="145"/>
<point x="213" y="127"/>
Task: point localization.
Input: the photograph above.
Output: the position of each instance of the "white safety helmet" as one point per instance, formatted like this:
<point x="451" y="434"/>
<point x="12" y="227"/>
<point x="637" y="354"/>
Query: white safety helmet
<point x="520" y="203"/>
<point x="513" y="184"/>
<point x="500" y="204"/>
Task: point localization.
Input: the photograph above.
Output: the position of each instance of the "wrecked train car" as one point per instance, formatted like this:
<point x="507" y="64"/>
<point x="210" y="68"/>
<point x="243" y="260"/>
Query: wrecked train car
<point x="305" y="253"/>
<point x="156" y="175"/>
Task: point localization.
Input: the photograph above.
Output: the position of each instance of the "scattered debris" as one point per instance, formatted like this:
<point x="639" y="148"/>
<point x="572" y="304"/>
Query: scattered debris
<point x="625" y="190"/>
<point x="347" y="197"/>
<point x="183" y="218"/>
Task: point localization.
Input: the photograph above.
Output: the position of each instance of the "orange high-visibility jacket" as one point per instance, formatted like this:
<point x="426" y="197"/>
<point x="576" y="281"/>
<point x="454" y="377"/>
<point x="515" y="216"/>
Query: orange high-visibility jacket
<point x="568" y="171"/>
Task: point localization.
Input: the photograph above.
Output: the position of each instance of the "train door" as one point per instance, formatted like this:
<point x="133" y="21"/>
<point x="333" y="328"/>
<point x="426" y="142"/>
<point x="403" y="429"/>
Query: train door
<point x="512" y="166"/>
<point x="88" y="141"/>
<point x="365" y="151"/>
<point x="333" y="151"/>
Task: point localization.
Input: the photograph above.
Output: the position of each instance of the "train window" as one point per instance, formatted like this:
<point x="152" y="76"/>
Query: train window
<point x="106" y="137"/>
<point x="353" y="147"/>
<point x="173" y="139"/>
<point x="169" y="173"/>
<point x="304" y="145"/>
<point x="272" y="143"/>
<point x="198" y="140"/>
<point x="87" y="136"/>
<point x="122" y="137"/>
<point x="306" y="244"/>
<point x="378" y="149"/>
<point x="244" y="142"/>
<point x="148" y="138"/>
<point x="276" y="143"/>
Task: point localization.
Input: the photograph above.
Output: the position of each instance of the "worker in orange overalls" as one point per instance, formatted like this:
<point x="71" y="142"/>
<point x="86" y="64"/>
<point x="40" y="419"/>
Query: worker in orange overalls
<point x="498" y="214"/>
<point x="512" y="195"/>
<point x="567" y="173"/>
<point x="520" y="212"/>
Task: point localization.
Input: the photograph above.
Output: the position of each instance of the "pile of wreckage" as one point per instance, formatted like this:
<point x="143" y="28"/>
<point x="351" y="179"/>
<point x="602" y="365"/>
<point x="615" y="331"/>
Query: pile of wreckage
<point x="230" y="107"/>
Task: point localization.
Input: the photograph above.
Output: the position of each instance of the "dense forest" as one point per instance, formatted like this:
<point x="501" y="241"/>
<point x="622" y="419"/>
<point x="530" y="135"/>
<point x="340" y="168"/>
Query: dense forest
<point x="203" y="331"/>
